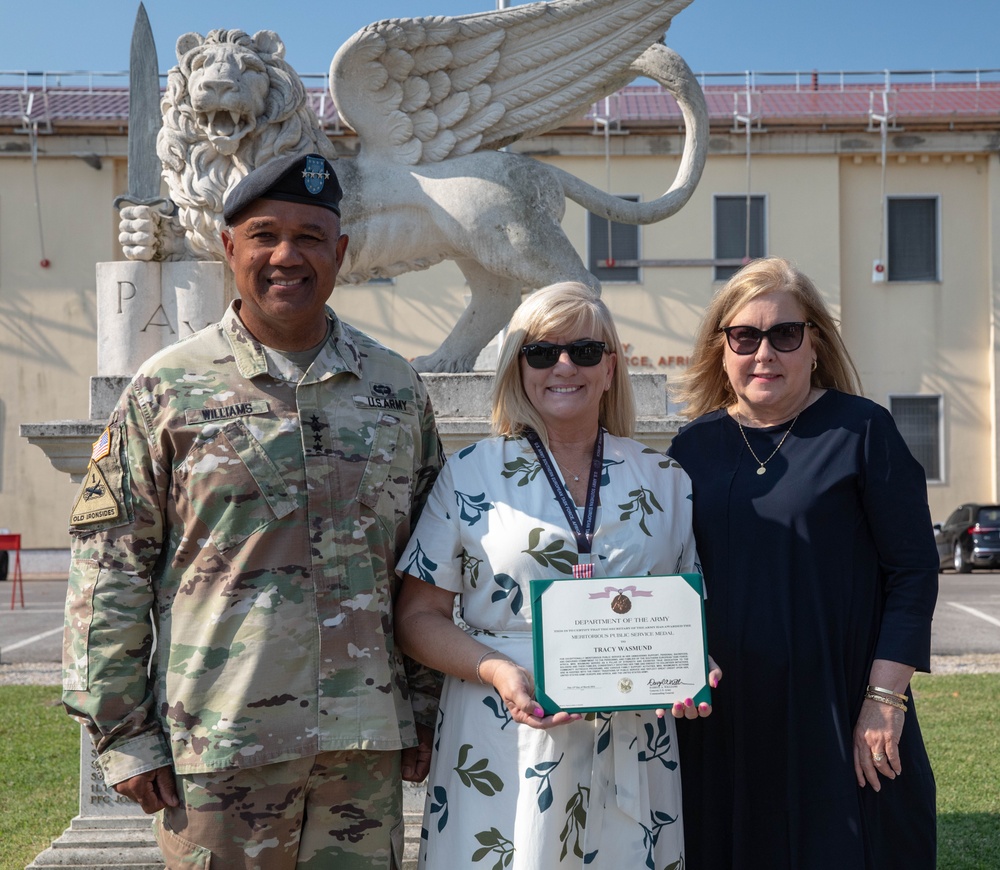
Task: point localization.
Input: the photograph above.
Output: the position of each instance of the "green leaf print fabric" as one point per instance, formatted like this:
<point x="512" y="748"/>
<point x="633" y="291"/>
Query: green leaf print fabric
<point x="603" y="791"/>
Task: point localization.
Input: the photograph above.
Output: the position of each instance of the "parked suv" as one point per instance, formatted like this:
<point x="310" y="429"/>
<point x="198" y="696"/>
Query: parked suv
<point x="970" y="538"/>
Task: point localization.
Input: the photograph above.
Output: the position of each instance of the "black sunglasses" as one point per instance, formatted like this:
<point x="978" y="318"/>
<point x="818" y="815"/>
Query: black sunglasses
<point x="784" y="337"/>
<point x="544" y="354"/>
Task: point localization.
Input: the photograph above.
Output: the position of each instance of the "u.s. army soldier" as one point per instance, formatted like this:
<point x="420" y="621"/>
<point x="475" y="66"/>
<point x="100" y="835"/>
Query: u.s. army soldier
<point x="229" y="636"/>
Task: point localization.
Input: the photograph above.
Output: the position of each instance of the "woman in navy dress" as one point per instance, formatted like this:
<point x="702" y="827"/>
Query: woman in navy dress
<point x="811" y="520"/>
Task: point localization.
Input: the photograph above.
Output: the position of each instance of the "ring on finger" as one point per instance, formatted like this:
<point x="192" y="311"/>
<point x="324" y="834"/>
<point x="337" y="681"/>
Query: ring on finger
<point x="878" y="756"/>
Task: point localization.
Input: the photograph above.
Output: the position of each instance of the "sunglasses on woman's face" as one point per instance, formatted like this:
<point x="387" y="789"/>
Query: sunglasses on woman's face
<point x="783" y="337"/>
<point x="544" y="354"/>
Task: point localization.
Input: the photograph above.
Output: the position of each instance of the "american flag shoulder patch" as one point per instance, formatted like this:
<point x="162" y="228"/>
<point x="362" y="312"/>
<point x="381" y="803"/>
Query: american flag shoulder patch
<point x="102" y="446"/>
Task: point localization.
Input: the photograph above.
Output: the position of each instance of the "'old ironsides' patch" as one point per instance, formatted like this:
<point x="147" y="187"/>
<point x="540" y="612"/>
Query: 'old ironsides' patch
<point x="95" y="503"/>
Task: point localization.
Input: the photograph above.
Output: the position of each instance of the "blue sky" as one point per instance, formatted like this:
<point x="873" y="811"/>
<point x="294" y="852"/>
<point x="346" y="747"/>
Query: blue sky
<point x="712" y="35"/>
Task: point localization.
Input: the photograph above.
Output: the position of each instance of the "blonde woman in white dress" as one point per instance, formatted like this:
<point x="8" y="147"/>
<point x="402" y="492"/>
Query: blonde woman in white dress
<point x="512" y="787"/>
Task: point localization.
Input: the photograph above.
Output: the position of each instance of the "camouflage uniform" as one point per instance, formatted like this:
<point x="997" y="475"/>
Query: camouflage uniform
<point x="255" y="521"/>
<point x="254" y="818"/>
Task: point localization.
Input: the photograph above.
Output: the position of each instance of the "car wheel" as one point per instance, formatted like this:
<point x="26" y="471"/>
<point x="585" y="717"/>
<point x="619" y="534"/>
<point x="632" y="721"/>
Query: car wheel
<point x="960" y="565"/>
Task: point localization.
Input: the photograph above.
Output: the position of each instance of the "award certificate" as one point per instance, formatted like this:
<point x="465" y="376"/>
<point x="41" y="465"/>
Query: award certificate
<point x="619" y="643"/>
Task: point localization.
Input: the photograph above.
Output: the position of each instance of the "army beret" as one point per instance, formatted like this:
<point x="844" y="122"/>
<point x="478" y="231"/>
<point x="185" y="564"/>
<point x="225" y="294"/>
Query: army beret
<point x="305" y="178"/>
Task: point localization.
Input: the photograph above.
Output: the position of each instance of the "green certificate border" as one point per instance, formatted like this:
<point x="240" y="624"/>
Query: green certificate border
<point x="538" y="589"/>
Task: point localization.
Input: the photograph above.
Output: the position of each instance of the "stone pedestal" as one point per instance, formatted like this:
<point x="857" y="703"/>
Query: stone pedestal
<point x="143" y="307"/>
<point x="462" y="408"/>
<point x="69" y="443"/>
<point x="110" y="831"/>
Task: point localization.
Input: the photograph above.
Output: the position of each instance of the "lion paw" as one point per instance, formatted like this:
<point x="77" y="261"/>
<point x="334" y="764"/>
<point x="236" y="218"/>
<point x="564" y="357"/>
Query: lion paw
<point x="437" y="362"/>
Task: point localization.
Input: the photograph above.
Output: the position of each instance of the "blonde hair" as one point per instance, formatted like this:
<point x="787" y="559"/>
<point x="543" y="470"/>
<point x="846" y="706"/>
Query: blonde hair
<point x="705" y="385"/>
<point x="565" y="308"/>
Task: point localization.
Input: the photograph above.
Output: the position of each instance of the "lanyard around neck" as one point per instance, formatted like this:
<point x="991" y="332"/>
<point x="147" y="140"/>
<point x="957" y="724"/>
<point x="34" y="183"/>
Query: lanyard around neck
<point x="584" y="531"/>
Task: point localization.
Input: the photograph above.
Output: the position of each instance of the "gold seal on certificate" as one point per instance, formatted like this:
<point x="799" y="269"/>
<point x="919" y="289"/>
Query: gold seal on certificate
<point x="619" y="643"/>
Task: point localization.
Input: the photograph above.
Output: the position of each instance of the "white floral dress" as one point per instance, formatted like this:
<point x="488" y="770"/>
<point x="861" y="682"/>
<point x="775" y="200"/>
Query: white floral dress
<point x="604" y="791"/>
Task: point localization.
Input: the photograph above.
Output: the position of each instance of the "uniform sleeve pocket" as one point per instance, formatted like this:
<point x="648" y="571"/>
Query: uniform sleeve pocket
<point x="79" y="618"/>
<point x="234" y="488"/>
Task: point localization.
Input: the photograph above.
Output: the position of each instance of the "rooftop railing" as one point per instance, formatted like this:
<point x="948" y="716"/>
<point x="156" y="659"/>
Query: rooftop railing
<point x="39" y="99"/>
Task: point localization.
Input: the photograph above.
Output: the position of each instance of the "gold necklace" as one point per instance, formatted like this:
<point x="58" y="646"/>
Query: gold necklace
<point x="762" y="469"/>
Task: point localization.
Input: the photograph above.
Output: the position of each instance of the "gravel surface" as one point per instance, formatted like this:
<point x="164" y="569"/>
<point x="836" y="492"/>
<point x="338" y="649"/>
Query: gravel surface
<point x="30" y="674"/>
<point x="978" y="663"/>
<point x="49" y="673"/>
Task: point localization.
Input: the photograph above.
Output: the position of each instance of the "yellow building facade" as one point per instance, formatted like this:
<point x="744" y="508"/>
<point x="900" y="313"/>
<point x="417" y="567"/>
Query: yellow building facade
<point x="808" y="176"/>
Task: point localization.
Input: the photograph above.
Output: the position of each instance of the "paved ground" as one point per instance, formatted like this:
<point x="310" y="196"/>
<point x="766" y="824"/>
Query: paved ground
<point x="31" y="637"/>
<point x="966" y="639"/>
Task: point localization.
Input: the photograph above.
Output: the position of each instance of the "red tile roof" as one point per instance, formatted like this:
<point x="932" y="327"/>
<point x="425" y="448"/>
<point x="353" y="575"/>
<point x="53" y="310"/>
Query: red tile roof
<point x="786" y="105"/>
<point x="972" y="101"/>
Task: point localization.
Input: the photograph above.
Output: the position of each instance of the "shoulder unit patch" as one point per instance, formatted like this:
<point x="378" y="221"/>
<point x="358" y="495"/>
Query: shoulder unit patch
<point x="95" y="503"/>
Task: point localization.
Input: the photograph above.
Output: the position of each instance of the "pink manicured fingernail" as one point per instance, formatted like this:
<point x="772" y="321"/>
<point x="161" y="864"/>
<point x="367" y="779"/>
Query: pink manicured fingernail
<point x="703" y="706"/>
<point x="688" y="702"/>
<point x="539" y="712"/>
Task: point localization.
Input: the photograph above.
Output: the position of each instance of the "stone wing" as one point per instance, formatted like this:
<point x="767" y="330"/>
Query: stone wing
<point x="420" y="90"/>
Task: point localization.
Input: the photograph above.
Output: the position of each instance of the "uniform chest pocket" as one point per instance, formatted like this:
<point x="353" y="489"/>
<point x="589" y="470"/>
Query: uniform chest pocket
<point x="232" y="487"/>
<point x="387" y="479"/>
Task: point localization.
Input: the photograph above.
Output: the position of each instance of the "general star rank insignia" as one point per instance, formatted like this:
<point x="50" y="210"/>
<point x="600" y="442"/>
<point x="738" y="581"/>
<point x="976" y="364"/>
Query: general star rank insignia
<point x="95" y="503"/>
<point x="315" y="175"/>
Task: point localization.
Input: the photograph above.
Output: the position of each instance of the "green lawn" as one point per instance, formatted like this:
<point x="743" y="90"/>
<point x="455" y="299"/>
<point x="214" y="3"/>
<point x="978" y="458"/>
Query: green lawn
<point x="39" y="772"/>
<point x="960" y="719"/>
<point x="959" y="715"/>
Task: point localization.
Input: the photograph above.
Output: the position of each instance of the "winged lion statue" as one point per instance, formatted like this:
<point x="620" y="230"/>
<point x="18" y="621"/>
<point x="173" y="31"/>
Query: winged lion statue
<point x="432" y="100"/>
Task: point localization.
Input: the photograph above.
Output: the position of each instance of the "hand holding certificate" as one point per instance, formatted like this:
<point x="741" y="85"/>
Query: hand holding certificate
<point x="619" y="643"/>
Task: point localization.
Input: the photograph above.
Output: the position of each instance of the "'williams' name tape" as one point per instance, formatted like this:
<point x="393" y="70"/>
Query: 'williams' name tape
<point x="225" y="412"/>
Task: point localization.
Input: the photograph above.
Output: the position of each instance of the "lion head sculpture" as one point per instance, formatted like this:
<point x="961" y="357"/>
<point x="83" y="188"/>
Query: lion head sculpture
<point x="430" y="100"/>
<point x="232" y="103"/>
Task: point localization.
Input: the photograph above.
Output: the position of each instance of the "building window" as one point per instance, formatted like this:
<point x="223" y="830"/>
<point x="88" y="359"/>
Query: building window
<point x="919" y="421"/>
<point x="913" y="238"/>
<point x="731" y="238"/>
<point x="624" y="239"/>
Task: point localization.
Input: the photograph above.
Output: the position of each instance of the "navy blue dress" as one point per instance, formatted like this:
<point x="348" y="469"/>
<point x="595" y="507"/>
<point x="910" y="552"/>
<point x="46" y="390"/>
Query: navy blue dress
<point x="813" y="569"/>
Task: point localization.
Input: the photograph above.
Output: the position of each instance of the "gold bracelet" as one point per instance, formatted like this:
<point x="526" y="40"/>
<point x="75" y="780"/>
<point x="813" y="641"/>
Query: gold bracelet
<point x="903" y="698"/>
<point x="882" y="699"/>
<point x="482" y="658"/>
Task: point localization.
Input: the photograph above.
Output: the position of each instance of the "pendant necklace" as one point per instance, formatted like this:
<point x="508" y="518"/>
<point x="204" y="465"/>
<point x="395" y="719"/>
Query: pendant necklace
<point x="762" y="469"/>
<point x="576" y="477"/>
